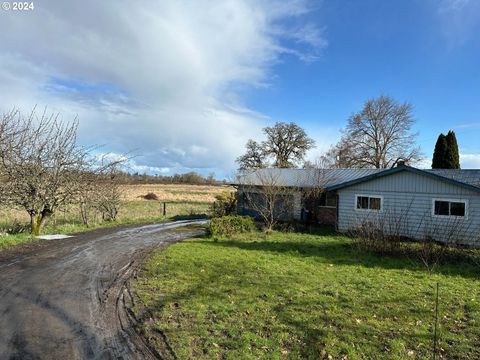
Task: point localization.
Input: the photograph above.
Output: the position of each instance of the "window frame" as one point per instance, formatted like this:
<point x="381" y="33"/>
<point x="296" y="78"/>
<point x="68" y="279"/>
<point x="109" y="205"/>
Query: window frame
<point x="369" y="196"/>
<point x="450" y="200"/>
<point x="335" y="196"/>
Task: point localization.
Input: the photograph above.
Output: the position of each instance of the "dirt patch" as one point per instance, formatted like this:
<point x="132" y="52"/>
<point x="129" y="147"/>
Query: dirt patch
<point x="70" y="298"/>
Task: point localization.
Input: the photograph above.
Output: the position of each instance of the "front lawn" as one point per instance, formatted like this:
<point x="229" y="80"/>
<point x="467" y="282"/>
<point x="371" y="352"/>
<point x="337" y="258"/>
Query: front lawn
<point x="304" y="296"/>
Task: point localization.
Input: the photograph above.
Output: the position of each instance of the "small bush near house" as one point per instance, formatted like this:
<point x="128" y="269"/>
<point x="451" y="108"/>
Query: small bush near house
<point x="369" y="236"/>
<point x="150" y="196"/>
<point x="225" y="204"/>
<point x="229" y="225"/>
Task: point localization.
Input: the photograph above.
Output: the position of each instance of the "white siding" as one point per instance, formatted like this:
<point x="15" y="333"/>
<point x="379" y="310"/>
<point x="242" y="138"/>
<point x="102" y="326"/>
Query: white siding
<point x="407" y="208"/>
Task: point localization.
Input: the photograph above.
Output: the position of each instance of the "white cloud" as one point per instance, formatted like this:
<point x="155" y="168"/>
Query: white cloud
<point x="158" y="77"/>
<point x="470" y="161"/>
<point x="467" y="161"/>
<point x="473" y="125"/>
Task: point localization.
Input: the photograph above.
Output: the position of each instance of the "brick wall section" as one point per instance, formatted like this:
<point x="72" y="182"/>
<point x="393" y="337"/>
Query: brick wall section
<point x="327" y="215"/>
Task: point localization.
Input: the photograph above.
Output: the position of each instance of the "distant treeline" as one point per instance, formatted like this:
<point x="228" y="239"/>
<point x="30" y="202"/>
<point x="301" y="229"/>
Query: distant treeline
<point x="191" y="178"/>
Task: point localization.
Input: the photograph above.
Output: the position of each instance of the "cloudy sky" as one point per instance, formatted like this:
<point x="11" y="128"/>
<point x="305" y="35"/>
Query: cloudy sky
<point x="184" y="84"/>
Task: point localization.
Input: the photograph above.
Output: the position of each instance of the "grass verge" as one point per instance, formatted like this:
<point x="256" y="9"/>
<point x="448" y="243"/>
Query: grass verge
<point x="305" y="296"/>
<point x="10" y="240"/>
<point x="69" y="222"/>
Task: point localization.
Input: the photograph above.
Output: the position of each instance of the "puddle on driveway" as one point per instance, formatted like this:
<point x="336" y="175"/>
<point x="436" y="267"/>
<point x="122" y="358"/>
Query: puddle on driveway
<point x="53" y="237"/>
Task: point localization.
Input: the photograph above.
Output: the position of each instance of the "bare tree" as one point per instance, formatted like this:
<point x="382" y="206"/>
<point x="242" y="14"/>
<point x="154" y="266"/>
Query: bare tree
<point x="42" y="167"/>
<point x="339" y="156"/>
<point x="286" y="145"/>
<point x="10" y="128"/>
<point x="253" y="158"/>
<point x="107" y="193"/>
<point x="87" y="196"/>
<point x="100" y="188"/>
<point x="40" y="163"/>
<point x="265" y="195"/>
<point x="379" y="136"/>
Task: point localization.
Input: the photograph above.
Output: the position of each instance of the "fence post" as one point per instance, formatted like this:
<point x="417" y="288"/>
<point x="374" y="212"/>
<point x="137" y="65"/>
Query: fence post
<point x="164" y="209"/>
<point x="435" y="327"/>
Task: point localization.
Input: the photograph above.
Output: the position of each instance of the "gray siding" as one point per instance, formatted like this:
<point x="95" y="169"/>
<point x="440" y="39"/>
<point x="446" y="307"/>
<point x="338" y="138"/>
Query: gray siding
<point x="296" y="205"/>
<point x="407" y="208"/>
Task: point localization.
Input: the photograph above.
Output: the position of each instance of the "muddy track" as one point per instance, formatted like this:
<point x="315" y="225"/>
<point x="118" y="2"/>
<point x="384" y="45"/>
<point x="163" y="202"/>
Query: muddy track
<point x="70" y="299"/>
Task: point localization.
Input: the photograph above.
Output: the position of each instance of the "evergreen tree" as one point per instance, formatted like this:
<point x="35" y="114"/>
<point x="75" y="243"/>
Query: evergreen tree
<point x="445" y="155"/>
<point x="440" y="153"/>
<point x="453" y="158"/>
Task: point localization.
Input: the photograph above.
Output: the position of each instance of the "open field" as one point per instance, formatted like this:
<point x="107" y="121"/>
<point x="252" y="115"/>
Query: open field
<point x="311" y="296"/>
<point x="175" y="193"/>
<point x="182" y="200"/>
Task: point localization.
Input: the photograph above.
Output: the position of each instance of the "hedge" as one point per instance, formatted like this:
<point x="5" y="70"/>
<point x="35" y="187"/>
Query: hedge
<point x="229" y="225"/>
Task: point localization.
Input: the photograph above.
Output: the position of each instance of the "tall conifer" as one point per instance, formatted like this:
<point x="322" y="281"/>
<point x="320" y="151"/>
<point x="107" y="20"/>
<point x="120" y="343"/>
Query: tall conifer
<point x="453" y="157"/>
<point x="440" y="153"/>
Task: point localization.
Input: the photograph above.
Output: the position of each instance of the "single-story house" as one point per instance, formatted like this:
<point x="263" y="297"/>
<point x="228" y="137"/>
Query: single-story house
<point x="440" y="204"/>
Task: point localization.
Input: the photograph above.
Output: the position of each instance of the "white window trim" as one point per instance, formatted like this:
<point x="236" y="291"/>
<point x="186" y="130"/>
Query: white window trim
<point x="370" y="196"/>
<point x="465" y="201"/>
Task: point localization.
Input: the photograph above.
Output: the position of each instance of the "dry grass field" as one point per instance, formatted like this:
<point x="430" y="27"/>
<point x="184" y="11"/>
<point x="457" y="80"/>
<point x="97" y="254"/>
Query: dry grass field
<point x="182" y="200"/>
<point x="174" y="193"/>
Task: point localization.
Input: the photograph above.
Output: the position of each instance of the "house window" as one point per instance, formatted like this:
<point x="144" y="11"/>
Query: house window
<point x="449" y="208"/>
<point x="328" y="199"/>
<point x="366" y="202"/>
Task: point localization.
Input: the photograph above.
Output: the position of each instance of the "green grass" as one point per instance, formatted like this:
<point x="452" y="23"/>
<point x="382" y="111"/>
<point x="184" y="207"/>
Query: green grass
<point x="9" y="241"/>
<point x="305" y="296"/>
<point x="68" y="221"/>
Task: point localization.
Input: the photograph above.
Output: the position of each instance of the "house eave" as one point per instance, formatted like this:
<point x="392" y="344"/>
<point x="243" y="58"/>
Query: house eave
<point x="398" y="169"/>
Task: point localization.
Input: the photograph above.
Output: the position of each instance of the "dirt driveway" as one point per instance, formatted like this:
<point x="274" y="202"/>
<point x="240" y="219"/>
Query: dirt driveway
<point x="68" y="299"/>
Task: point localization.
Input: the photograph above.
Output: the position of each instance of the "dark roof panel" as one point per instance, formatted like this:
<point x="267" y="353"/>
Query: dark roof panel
<point x="333" y="179"/>
<point x="467" y="176"/>
<point x="304" y="178"/>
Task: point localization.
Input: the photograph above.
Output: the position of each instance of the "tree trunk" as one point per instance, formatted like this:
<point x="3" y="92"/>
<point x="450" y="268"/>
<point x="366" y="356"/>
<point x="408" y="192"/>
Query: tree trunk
<point x="35" y="221"/>
<point x="84" y="213"/>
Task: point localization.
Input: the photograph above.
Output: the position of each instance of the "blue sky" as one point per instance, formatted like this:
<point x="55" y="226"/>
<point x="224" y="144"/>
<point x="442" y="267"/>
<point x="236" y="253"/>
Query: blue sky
<point x="410" y="50"/>
<point x="189" y="86"/>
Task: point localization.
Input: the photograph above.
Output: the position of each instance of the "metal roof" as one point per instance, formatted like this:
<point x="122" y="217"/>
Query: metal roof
<point x="466" y="176"/>
<point x="332" y="179"/>
<point x="304" y="178"/>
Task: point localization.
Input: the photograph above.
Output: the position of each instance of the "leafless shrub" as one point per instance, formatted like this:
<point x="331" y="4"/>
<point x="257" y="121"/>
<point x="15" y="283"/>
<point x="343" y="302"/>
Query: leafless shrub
<point x="432" y="242"/>
<point x="369" y="236"/>
<point x="382" y="233"/>
<point x="108" y="196"/>
<point x="445" y="241"/>
<point x="268" y="199"/>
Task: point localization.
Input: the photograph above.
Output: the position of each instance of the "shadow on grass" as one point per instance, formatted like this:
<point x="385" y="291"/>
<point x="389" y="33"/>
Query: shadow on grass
<point x="189" y="217"/>
<point x="346" y="253"/>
